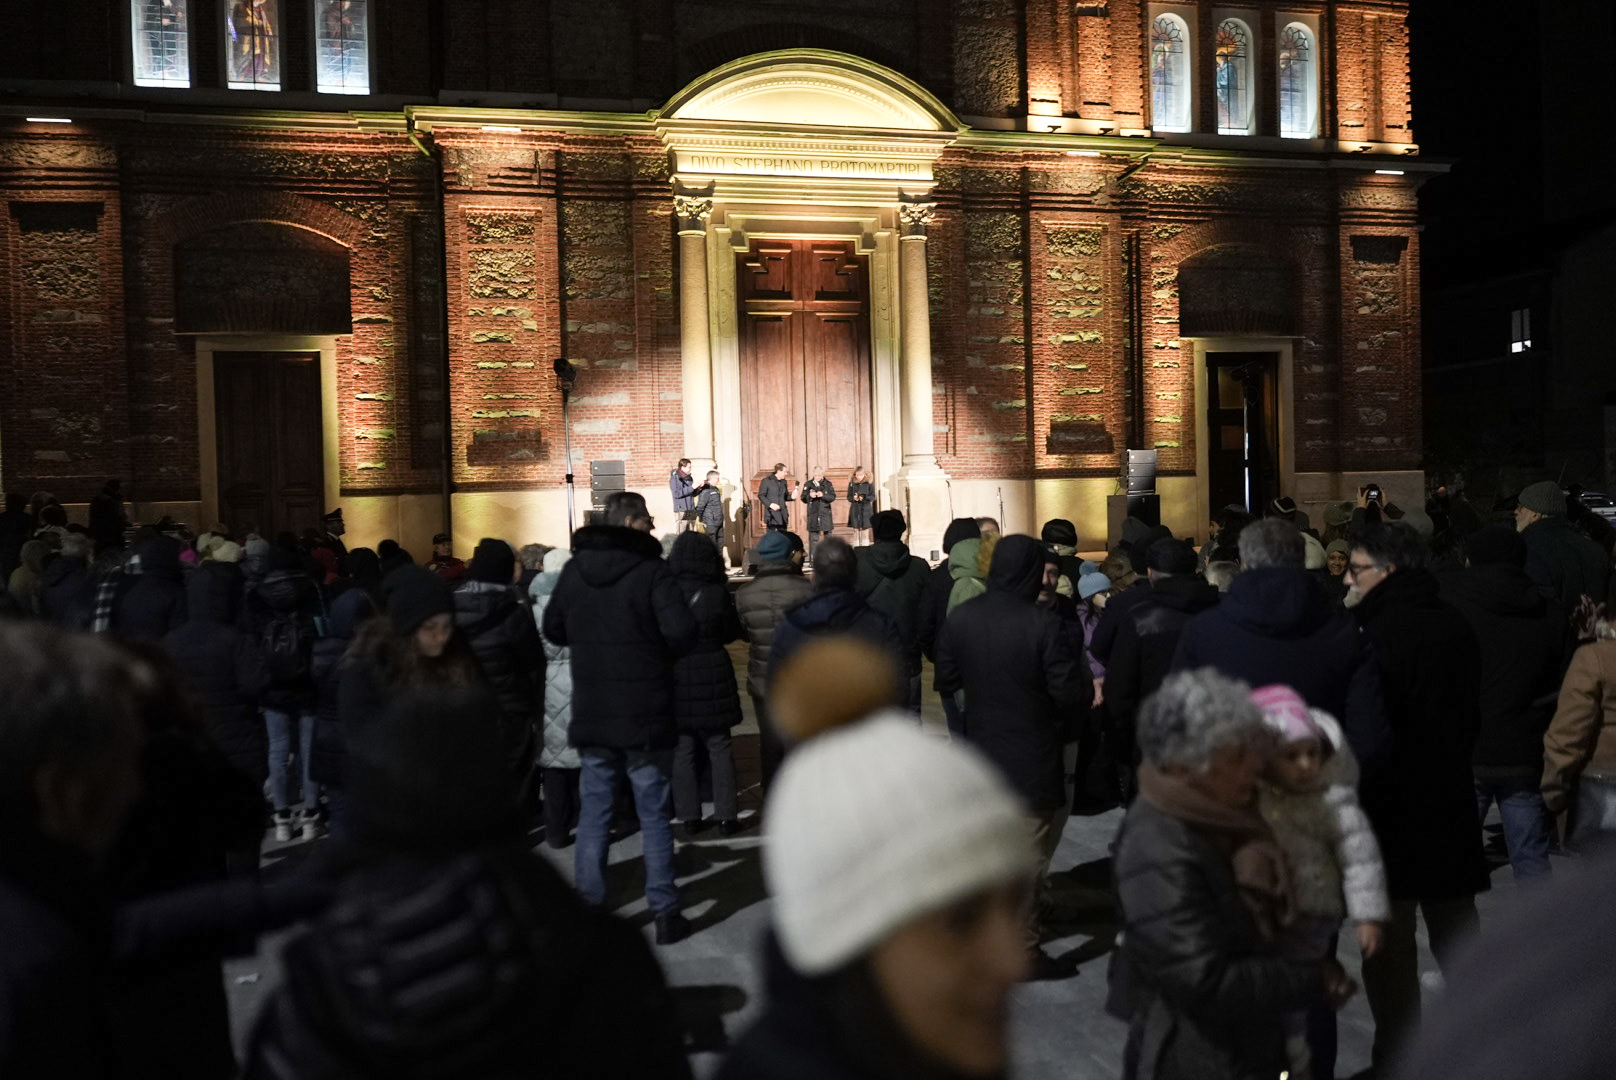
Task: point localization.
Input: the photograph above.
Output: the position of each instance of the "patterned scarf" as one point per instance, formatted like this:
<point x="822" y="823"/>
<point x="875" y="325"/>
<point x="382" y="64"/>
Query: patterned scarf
<point x="106" y="594"/>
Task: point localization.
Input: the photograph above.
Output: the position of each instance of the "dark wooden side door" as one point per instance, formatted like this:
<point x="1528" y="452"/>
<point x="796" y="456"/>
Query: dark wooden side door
<point x="271" y="461"/>
<point x="1242" y="425"/>
<point x="805" y="367"/>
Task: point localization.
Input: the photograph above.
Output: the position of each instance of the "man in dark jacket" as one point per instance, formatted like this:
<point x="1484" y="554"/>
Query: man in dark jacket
<point x="683" y="486"/>
<point x="1559" y="557"/>
<point x="1060" y="536"/>
<point x="773" y="495"/>
<point x="1424" y="808"/>
<point x="1024" y="676"/>
<point x="107" y="518"/>
<point x="1275" y="625"/>
<point x="1525" y="643"/>
<point x="1147" y="640"/>
<point x="777" y="586"/>
<point x="150" y="603"/>
<point x="836" y="608"/>
<point x="934" y="606"/>
<point x="66" y="590"/>
<point x="283" y="611"/>
<point x="893" y="582"/>
<point x="499" y="627"/>
<point x="619" y="609"/>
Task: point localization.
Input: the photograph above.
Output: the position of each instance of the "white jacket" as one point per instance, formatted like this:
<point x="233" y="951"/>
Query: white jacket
<point x="1328" y="839"/>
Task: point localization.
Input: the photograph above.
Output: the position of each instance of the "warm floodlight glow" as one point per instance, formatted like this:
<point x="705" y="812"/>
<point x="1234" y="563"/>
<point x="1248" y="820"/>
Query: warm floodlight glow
<point x="49" y="120"/>
<point x="503" y="127"/>
<point x="1082" y="153"/>
<point x="1388" y="172"/>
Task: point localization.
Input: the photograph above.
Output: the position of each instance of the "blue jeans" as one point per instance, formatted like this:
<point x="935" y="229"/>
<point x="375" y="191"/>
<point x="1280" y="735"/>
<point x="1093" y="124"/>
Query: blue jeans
<point x="648" y="776"/>
<point x="1526" y="823"/>
<point x="280" y="756"/>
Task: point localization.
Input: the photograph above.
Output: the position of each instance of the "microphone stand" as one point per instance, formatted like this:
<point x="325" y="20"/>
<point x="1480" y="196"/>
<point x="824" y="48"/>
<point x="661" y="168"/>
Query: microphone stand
<point x="567" y="374"/>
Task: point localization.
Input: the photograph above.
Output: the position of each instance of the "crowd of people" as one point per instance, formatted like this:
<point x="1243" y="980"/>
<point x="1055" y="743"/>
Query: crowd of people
<point x="1306" y="730"/>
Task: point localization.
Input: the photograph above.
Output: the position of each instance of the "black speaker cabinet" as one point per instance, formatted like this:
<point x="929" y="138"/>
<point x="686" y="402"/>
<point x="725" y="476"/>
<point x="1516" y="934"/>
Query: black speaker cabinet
<point x="1139" y="472"/>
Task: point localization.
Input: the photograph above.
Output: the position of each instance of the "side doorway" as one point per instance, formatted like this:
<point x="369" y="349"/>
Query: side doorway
<point x="1242" y="424"/>
<point x="271" y="460"/>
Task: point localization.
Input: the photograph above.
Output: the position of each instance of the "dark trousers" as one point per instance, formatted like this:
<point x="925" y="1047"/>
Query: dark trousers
<point x="1392" y="977"/>
<point x="954" y="714"/>
<point x="687" y="783"/>
<point x="771" y="751"/>
<point x="560" y="805"/>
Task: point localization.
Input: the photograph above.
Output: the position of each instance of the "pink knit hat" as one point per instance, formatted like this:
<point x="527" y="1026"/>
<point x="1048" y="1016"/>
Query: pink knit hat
<point x="1286" y="713"/>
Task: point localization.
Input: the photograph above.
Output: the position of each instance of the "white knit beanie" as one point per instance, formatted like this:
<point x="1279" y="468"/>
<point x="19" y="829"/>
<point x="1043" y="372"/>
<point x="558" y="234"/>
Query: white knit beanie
<point x="875" y="824"/>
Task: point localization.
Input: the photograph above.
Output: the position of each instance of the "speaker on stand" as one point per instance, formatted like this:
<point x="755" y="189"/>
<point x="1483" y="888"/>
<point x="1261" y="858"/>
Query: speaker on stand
<point x="606" y="478"/>
<point x="1138" y="498"/>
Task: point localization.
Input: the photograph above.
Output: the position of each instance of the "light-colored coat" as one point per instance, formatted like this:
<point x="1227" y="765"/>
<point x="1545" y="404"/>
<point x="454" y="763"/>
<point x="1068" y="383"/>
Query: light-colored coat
<point x="1335" y="859"/>
<point x="556" y="752"/>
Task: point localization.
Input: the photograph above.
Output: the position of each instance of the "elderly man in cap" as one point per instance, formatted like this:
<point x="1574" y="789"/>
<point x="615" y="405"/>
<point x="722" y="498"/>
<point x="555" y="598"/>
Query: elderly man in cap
<point x="1558" y="557"/>
<point x="443" y="563"/>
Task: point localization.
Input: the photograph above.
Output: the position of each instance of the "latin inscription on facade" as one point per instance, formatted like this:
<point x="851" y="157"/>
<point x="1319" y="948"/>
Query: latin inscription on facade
<point x="771" y="165"/>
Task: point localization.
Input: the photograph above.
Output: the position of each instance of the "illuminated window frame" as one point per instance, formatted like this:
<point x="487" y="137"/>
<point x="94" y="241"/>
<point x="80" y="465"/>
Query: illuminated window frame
<point x="247" y="41"/>
<point x="1232" y="78"/>
<point x="1171" y="73"/>
<point x="1520" y="330"/>
<point x="160" y="42"/>
<point x="1298" y="81"/>
<point x="342" y="52"/>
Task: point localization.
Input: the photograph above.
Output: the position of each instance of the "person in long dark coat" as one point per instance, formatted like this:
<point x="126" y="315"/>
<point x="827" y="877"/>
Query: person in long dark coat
<point x="66" y="591"/>
<point x="151" y="603"/>
<point x="894" y="583"/>
<point x="1424" y="806"/>
<point x="817" y="494"/>
<point x="934" y="607"/>
<point x="779" y="586"/>
<point x="498" y="625"/>
<point x="706" y="701"/>
<point x="860" y="506"/>
<point x="773" y="495"/>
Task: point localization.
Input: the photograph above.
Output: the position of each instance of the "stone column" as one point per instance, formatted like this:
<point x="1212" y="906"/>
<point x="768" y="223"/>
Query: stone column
<point x="695" y="346"/>
<point x="922" y="484"/>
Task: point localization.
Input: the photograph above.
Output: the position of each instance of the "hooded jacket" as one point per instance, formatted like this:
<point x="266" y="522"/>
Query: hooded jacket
<point x="940" y="584"/>
<point x="223" y="666"/>
<point x="1275" y="625"/>
<point x="1565" y="562"/>
<point x="25" y="580"/>
<point x="67" y="593"/>
<point x="836" y="611"/>
<point x="287" y="595"/>
<point x="894" y="583"/>
<point x="619" y="609"/>
<point x="705" y="697"/>
<point x="1022" y="669"/>
<point x="762" y="604"/>
<point x="555" y="751"/>
<point x="1148" y="636"/>
<point x="1524" y="636"/>
<point x="499" y="628"/>
<point x="965" y="571"/>
<point x="151" y="603"/>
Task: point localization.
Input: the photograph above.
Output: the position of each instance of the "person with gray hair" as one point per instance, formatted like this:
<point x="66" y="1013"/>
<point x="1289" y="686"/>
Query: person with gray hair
<point x="1272" y="542"/>
<point x="1204" y="890"/>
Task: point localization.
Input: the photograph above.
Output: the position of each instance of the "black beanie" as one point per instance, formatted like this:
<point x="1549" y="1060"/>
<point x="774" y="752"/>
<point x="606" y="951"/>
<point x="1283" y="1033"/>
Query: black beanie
<point x="887" y="525"/>
<point x="1496" y="544"/>
<point x="1170" y="557"/>
<point x="960" y="529"/>
<point x="1059" y="531"/>
<point x="493" y="561"/>
<point x="414" y="595"/>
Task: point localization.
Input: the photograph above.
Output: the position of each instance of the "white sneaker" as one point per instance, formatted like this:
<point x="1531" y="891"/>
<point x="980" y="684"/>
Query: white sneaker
<point x="310" y="824"/>
<point x="283" y="826"/>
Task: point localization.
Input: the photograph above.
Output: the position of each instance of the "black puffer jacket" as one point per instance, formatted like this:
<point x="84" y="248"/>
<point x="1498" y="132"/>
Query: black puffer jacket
<point x="1203" y="992"/>
<point x="705" y="697"/>
<point x="894" y="583"/>
<point x="290" y="596"/>
<point x="223" y="667"/>
<point x="1023" y="672"/>
<point x="499" y="627"/>
<point x="1565" y="562"/>
<point x="835" y="611"/>
<point x="151" y="603"/>
<point x="67" y="594"/>
<point x="349" y="610"/>
<point x="1143" y="652"/>
<point x="1424" y="809"/>
<point x="619" y="609"/>
<point x="762" y="603"/>
<point x="1525" y="641"/>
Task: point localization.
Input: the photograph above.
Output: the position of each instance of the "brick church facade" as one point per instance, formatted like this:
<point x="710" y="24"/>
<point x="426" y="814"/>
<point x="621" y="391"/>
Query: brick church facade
<point x="979" y="247"/>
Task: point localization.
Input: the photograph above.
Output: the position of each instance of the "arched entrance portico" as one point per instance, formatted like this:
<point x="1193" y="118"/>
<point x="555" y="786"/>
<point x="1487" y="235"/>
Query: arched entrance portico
<point x="807" y="145"/>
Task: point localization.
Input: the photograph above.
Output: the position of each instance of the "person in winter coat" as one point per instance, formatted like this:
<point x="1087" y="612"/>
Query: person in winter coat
<point x="1274" y="625"/>
<point x="894" y="582"/>
<point x="498" y="625"/>
<point x="835" y="608"/>
<point x="773" y="494"/>
<point x="970" y="575"/>
<point x="860" y="506"/>
<point x="1579" y="748"/>
<point x="1525" y="640"/>
<point x="1021" y="668"/>
<point x="1309" y="798"/>
<point x="899" y="868"/>
<point x="934" y="605"/>
<point x="329" y="752"/>
<point x="1424" y="806"/>
<point x="107" y="517"/>
<point x="24" y="582"/>
<point x="817" y="494"/>
<point x="777" y="586"/>
<point x="149" y="598"/>
<point x="619" y="609"/>
<point x="66" y="588"/>
<point x="283" y="610"/>
<point x="1060" y="536"/>
<point x="1201" y="978"/>
<point x="559" y="763"/>
<point x="710" y="509"/>
<point x="684" y="488"/>
<point x="1147" y="640"/>
<point x="1558" y="557"/>
<point x="706" y="701"/>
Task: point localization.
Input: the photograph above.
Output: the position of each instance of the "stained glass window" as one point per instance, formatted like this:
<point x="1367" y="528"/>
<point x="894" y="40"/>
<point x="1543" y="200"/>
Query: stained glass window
<point x="253" y="44"/>
<point x="161" y="43"/>
<point x="1298" y="83"/>
<point x="1234" y="78"/>
<point x="1170" y="74"/>
<point x="342" y="46"/>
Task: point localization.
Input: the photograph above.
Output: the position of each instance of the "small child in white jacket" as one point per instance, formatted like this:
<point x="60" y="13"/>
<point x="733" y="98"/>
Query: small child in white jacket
<point x="1309" y="798"/>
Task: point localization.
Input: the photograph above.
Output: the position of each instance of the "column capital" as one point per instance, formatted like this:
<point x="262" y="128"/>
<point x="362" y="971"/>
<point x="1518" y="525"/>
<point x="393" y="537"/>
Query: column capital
<point x="692" y="212"/>
<point x="913" y="217"/>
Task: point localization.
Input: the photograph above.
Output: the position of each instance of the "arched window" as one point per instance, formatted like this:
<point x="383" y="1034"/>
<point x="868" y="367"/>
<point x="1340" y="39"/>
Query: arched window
<point x="252" y="44"/>
<point x="1298" y="83"/>
<point x="161" y="41"/>
<point x="1170" y="74"/>
<point x="342" y="46"/>
<point x="1234" y="80"/>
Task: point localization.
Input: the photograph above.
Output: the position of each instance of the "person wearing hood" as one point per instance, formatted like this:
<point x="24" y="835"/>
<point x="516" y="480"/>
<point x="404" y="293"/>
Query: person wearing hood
<point x="836" y="608"/>
<point x="706" y="701"/>
<point x="66" y="588"/>
<point x="777" y="586"/>
<point x="559" y="763"/>
<point x="620" y="610"/>
<point x="899" y="869"/>
<point x="25" y="580"/>
<point x="150" y="597"/>
<point x="894" y="582"/>
<point x="968" y="570"/>
<point x="1060" y="536"/>
<point x="1274" y="625"/>
<point x="1524" y="636"/>
<point x="495" y="621"/>
<point x="934" y="604"/>
<point x="329" y="752"/>
<point x="1025" y="682"/>
<point x="1424" y="807"/>
<point x="108" y="519"/>
<point x="285" y="609"/>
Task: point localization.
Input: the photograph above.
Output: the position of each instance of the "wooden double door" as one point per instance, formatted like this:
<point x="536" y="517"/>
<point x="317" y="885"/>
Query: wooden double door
<point x="270" y="440"/>
<point x="805" y="367"/>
